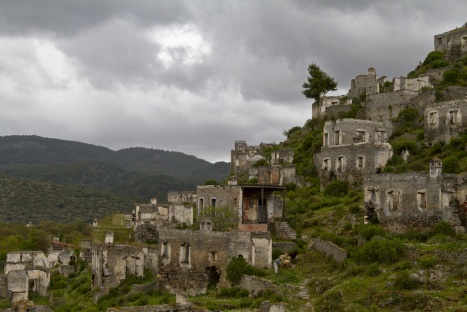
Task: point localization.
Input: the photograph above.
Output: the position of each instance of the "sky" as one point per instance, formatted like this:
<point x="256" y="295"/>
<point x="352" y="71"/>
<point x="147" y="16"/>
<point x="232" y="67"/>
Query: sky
<point x="195" y="76"/>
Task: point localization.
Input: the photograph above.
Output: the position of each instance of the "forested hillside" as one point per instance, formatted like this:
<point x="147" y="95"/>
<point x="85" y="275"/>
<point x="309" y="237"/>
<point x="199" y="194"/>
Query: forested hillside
<point x="138" y="173"/>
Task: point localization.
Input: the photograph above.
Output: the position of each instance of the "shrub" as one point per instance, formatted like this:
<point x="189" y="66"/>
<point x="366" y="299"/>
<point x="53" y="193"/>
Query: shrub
<point x="233" y="292"/>
<point x="444" y="228"/>
<point x="368" y="231"/>
<point x="428" y="261"/>
<point x="403" y="265"/>
<point x="379" y="250"/>
<point x="337" y="188"/>
<point x="238" y="267"/>
<point x="405" y="281"/>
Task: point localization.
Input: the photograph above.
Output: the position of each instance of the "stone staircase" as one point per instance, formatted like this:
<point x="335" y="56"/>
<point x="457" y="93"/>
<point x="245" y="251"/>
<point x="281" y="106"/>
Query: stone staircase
<point x="282" y="230"/>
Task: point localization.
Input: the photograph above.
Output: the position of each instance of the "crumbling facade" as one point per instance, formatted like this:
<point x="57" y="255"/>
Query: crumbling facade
<point x="256" y="205"/>
<point x="26" y="271"/>
<point x="191" y="260"/>
<point x="351" y="149"/>
<point x="453" y="42"/>
<point x="445" y="120"/>
<point x="414" y="200"/>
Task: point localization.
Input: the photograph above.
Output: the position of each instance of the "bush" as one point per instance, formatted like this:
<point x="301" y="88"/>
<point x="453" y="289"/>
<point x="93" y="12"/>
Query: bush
<point x="405" y="281"/>
<point x="428" y="261"/>
<point x="379" y="250"/>
<point x="369" y="231"/>
<point x="233" y="292"/>
<point x="337" y="188"/>
<point x="238" y="267"/>
<point x="444" y="228"/>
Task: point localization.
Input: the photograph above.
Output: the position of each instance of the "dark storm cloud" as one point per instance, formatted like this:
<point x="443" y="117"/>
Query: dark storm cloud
<point x="195" y="75"/>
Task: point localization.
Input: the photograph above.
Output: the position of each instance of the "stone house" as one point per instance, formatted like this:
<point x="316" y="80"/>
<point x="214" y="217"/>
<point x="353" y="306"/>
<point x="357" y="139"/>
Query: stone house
<point x="243" y="156"/>
<point x="112" y="263"/>
<point x="351" y="149"/>
<point x="192" y="260"/>
<point x="453" y="42"/>
<point x="256" y="205"/>
<point x="445" y="120"/>
<point x="414" y="200"/>
<point x="26" y="271"/>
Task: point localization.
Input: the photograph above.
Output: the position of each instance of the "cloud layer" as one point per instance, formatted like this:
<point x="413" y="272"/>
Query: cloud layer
<point x="194" y="76"/>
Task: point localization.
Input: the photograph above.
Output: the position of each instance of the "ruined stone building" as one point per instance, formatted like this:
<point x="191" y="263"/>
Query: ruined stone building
<point x="256" y="205"/>
<point x="243" y="156"/>
<point x="112" y="263"/>
<point x="453" y="42"/>
<point x="192" y="260"/>
<point x="445" y="120"/>
<point x="415" y="200"/>
<point x="351" y="149"/>
<point x="25" y="272"/>
<point x="278" y="171"/>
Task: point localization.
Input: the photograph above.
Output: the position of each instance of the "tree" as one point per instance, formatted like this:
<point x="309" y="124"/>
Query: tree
<point x="317" y="82"/>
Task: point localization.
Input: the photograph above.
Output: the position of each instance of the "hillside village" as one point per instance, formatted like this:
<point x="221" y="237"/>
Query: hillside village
<point x="187" y="244"/>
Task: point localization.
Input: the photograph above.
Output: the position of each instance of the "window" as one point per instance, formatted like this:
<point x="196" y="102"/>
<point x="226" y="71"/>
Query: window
<point x="185" y="253"/>
<point x="393" y="200"/>
<point x="165" y="249"/>
<point x="326" y="139"/>
<point x="212" y="256"/>
<point x="433" y="118"/>
<point x="337" y="137"/>
<point x="326" y="164"/>
<point x="421" y="200"/>
<point x="381" y="136"/>
<point x="340" y="164"/>
<point x="453" y="118"/>
<point x="201" y="203"/>
<point x="213" y="202"/>
<point x="360" y="136"/>
<point x="360" y="162"/>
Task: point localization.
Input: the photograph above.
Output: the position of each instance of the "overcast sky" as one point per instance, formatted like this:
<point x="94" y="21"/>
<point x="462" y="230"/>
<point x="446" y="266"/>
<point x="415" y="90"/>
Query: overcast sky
<point x="194" y="76"/>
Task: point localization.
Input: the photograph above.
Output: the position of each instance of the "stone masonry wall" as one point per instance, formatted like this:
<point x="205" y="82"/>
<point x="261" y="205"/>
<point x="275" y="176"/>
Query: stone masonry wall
<point x="445" y="120"/>
<point x="330" y="249"/>
<point x="413" y="200"/>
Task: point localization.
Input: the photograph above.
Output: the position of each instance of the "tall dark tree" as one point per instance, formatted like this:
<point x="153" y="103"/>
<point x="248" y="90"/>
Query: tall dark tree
<point x="317" y="81"/>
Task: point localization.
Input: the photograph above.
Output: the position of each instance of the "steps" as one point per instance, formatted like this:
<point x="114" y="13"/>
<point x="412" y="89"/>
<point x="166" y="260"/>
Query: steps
<point x="282" y="230"/>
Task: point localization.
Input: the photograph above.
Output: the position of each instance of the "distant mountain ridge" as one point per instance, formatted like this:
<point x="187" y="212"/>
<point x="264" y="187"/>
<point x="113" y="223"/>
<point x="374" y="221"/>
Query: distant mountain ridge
<point x="137" y="173"/>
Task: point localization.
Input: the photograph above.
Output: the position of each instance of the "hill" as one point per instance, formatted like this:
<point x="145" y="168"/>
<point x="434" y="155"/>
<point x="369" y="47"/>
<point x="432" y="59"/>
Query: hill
<point x="140" y="173"/>
<point x="24" y="201"/>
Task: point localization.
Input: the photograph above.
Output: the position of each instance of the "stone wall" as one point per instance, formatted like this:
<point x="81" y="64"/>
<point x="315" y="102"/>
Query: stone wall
<point x="112" y="263"/>
<point x="445" y="120"/>
<point x="453" y="42"/>
<point x="255" y="285"/>
<point x="244" y="156"/>
<point x="330" y="250"/>
<point x="412" y="200"/>
<point x="219" y="196"/>
<point x="351" y="162"/>
<point x="352" y="131"/>
<point x="201" y="253"/>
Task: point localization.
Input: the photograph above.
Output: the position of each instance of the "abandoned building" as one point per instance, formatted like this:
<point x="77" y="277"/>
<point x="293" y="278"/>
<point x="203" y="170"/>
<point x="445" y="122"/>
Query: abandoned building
<point x="155" y="214"/>
<point x="445" y="120"/>
<point x="256" y="205"/>
<point x="244" y="156"/>
<point x="330" y="105"/>
<point x="351" y="149"/>
<point x="453" y="43"/>
<point x="415" y="200"/>
<point x="192" y="260"/>
<point x="111" y="263"/>
<point x="25" y="272"/>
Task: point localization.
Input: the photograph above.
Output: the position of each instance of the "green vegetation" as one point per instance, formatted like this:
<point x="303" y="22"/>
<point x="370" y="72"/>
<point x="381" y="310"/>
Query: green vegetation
<point x="222" y="218"/>
<point x="318" y="82"/>
<point x="237" y="267"/>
